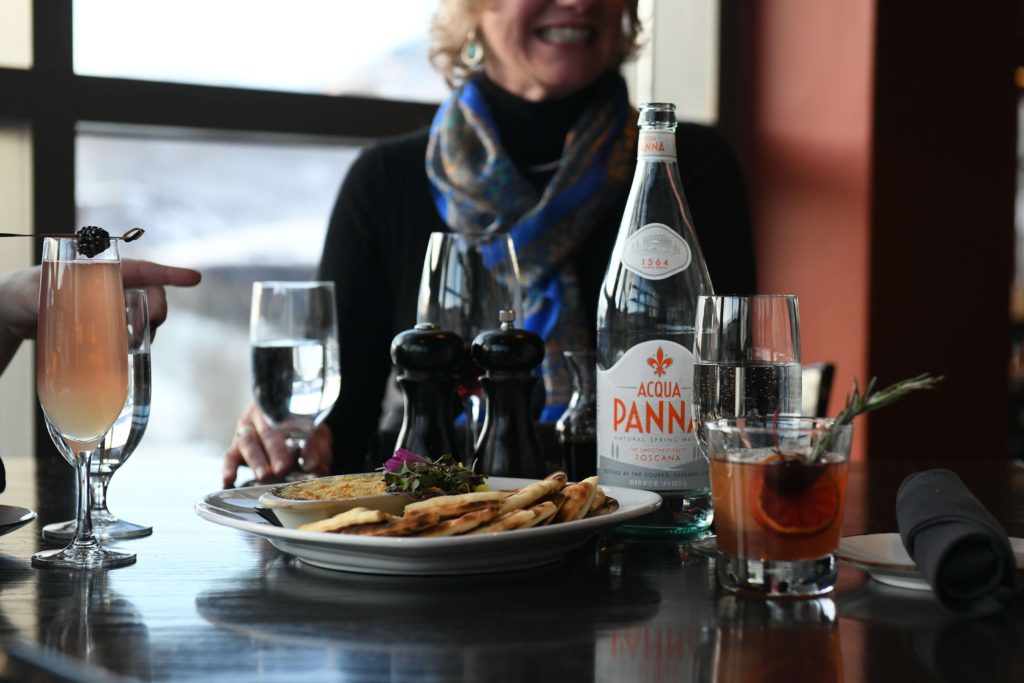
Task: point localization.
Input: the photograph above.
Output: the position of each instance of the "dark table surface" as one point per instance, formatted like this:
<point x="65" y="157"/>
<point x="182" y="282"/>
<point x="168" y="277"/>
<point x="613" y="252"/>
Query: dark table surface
<point x="209" y="603"/>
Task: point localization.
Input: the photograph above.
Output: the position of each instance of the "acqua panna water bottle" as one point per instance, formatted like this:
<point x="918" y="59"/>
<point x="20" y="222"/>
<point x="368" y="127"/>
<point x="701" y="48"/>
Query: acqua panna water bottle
<point x="645" y="327"/>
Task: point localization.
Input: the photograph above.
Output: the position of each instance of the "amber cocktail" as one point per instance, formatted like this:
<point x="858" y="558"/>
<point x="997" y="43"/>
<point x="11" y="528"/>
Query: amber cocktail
<point x="779" y="489"/>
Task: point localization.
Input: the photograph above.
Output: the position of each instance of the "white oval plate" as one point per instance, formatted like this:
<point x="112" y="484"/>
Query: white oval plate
<point x="485" y="553"/>
<point x="886" y="560"/>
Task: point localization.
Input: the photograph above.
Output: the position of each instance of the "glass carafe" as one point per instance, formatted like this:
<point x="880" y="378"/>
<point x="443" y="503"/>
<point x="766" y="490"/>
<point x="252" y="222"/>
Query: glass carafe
<point x="577" y="427"/>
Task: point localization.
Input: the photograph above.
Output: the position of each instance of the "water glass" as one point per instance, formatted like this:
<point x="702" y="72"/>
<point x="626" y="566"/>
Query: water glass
<point x="746" y="358"/>
<point x="296" y="371"/>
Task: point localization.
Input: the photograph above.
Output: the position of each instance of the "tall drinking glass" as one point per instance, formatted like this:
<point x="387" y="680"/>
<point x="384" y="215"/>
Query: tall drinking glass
<point x="81" y="374"/>
<point x="120" y="442"/>
<point x="296" y="365"/>
<point x="466" y="280"/>
<point x="746" y="358"/>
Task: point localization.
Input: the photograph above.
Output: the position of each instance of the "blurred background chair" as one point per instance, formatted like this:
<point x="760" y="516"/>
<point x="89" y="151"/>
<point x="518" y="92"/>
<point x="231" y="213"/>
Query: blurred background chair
<point x="816" y="380"/>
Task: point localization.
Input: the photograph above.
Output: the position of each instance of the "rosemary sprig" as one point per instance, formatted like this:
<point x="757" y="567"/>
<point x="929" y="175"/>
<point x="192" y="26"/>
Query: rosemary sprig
<point x="859" y="403"/>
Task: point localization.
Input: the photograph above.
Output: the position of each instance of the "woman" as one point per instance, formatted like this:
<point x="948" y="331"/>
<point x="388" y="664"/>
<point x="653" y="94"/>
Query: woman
<point x="538" y="117"/>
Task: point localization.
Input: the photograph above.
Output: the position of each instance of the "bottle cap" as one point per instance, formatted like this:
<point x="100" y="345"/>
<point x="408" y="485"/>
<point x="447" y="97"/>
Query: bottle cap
<point x="657" y="115"/>
<point x="508" y="349"/>
<point x="427" y="348"/>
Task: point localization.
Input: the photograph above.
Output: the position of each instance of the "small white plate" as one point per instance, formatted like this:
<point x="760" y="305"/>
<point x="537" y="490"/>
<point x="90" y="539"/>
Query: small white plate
<point x="411" y="556"/>
<point x="886" y="560"/>
<point x="13" y="518"/>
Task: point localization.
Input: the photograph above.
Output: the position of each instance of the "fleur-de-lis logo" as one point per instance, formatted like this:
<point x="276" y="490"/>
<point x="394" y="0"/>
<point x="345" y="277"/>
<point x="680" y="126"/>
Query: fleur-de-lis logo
<point x="660" y="362"/>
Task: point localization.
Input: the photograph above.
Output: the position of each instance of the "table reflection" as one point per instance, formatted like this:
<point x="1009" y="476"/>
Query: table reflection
<point x="450" y="627"/>
<point x="950" y="646"/>
<point x="93" y="623"/>
<point x="777" y="640"/>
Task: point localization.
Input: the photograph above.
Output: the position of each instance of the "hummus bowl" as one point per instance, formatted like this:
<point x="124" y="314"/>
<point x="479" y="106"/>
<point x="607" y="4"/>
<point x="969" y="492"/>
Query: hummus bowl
<point x="315" y="499"/>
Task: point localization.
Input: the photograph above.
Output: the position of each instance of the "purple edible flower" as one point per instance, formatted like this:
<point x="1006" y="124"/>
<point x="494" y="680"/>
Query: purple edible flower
<point x="400" y="458"/>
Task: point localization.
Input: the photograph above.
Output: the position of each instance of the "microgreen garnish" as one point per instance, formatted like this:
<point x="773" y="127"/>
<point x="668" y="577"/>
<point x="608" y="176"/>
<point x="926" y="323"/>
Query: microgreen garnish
<point x="408" y="472"/>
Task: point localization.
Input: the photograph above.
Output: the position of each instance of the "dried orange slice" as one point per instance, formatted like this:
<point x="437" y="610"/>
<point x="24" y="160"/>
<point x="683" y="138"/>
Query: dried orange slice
<point x="800" y="513"/>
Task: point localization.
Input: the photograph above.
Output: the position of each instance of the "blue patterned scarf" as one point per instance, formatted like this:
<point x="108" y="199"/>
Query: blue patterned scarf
<point x="478" y="189"/>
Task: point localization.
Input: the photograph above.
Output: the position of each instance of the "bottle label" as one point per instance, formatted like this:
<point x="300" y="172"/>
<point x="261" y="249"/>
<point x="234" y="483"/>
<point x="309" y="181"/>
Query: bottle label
<point x="645" y="436"/>
<point x="656" y="145"/>
<point x="656" y="252"/>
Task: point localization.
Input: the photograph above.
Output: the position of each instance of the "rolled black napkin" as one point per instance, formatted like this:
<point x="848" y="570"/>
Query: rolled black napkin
<point x="958" y="545"/>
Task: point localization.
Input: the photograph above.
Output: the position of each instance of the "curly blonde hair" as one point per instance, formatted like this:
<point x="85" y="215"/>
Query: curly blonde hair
<point x="455" y="19"/>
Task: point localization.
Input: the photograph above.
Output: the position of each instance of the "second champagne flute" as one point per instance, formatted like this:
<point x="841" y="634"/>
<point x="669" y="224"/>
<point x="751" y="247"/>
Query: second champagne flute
<point x="296" y="371"/>
<point x="120" y="442"/>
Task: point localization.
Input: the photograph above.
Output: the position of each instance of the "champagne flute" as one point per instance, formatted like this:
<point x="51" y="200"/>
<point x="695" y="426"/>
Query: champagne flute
<point x="466" y="280"/>
<point x="120" y="442"/>
<point x="296" y="371"/>
<point x="81" y="375"/>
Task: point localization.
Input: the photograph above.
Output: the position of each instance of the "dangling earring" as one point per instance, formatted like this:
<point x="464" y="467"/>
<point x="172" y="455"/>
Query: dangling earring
<point x="472" y="51"/>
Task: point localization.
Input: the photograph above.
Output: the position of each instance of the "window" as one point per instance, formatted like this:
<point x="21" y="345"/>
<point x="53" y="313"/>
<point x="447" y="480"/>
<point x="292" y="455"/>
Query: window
<point x="16" y="212"/>
<point x="239" y="210"/>
<point x="330" y="47"/>
<point x="16" y="34"/>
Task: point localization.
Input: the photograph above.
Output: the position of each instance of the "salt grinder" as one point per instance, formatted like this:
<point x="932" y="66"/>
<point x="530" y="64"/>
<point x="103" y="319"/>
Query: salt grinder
<point x="426" y="357"/>
<point x="508" y="445"/>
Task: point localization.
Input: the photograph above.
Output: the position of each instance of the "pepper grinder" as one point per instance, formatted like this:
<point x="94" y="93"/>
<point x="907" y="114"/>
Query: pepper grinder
<point x="426" y="357"/>
<point x="508" y="445"/>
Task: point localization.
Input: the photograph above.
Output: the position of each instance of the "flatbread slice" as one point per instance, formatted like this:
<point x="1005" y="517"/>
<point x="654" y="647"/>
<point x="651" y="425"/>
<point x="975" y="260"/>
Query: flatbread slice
<point x="406" y="525"/>
<point x="543" y="512"/>
<point x="463" y="524"/>
<point x="529" y="494"/>
<point x="560" y="477"/>
<point x="577" y="500"/>
<point x="457" y="499"/>
<point x="349" y="518"/>
<point x="459" y="509"/>
<point x="506" y="522"/>
<point x="557" y="500"/>
<point x="599" y="498"/>
<point x="610" y="505"/>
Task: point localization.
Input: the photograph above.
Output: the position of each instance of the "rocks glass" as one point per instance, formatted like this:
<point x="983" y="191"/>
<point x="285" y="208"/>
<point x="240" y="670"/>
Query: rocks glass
<point x="779" y="491"/>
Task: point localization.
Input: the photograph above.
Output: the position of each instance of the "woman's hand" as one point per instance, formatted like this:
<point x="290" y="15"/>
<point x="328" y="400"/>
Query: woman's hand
<point x="260" y="446"/>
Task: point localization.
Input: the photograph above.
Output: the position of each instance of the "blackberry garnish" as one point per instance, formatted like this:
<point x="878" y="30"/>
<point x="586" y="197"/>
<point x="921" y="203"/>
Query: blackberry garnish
<point x="92" y="240"/>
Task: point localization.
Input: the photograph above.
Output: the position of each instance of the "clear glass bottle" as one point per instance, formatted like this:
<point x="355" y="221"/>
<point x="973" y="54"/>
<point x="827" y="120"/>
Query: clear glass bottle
<point x="645" y="327"/>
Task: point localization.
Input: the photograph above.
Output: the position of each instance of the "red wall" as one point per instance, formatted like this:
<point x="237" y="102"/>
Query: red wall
<point x="809" y="145"/>
<point x="881" y="154"/>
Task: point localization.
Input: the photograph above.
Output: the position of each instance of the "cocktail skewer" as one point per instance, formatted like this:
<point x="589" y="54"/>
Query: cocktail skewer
<point x="130" y="236"/>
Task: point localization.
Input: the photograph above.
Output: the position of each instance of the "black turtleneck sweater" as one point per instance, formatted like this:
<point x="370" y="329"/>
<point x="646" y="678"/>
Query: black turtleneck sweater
<point x="384" y="215"/>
